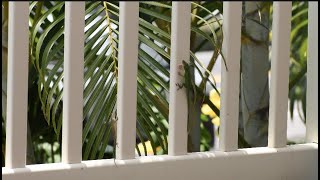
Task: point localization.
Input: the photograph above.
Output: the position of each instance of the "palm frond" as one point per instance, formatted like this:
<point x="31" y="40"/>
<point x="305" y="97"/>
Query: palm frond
<point x="101" y="51"/>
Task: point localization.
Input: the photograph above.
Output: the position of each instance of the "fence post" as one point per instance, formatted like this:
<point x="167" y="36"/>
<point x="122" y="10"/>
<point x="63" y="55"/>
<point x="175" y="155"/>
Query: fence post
<point x="280" y="58"/>
<point x="73" y="82"/>
<point x="127" y="80"/>
<point x="180" y="50"/>
<point x="312" y="74"/>
<point x="230" y="76"/>
<point x="16" y="123"/>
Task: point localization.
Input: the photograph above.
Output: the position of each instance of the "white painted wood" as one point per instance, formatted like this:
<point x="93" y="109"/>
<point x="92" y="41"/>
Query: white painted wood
<point x="17" y="102"/>
<point x="312" y="74"/>
<point x="180" y="47"/>
<point x="127" y="80"/>
<point x="230" y="76"/>
<point x="73" y="82"/>
<point x="293" y="162"/>
<point x="280" y="54"/>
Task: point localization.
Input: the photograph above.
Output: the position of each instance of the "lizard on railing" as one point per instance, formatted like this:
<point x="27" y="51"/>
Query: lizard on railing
<point x="113" y="124"/>
<point x="188" y="82"/>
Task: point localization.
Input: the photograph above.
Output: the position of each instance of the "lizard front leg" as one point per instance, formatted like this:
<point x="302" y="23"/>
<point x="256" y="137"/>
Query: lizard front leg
<point x="180" y="86"/>
<point x="114" y="120"/>
<point x="181" y="72"/>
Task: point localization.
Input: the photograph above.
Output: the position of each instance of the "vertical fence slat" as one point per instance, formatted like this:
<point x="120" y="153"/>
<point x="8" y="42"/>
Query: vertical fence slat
<point x="180" y="46"/>
<point x="230" y="77"/>
<point x="16" y="123"/>
<point x="280" y="58"/>
<point x="312" y="74"/>
<point x="127" y="80"/>
<point x="73" y="82"/>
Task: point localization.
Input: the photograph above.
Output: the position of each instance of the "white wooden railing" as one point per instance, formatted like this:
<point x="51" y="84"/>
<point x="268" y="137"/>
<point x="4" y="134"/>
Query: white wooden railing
<point x="277" y="161"/>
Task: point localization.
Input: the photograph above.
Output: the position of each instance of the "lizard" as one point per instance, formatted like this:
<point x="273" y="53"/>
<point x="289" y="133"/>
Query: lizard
<point x="185" y="70"/>
<point x="113" y="124"/>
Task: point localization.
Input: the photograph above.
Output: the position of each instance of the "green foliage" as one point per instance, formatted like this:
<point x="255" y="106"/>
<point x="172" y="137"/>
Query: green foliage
<point x="298" y="55"/>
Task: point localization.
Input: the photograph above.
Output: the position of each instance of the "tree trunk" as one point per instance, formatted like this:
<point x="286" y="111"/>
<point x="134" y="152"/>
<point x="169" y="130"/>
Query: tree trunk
<point x="254" y="94"/>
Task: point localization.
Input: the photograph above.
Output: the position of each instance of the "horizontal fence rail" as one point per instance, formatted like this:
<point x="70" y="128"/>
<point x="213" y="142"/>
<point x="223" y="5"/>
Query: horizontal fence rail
<point x="294" y="163"/>
<point x="277" y="161"/>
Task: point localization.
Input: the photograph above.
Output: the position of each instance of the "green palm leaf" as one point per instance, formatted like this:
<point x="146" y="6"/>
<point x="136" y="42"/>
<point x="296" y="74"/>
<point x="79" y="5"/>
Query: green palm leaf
<point x="100" y="62"/>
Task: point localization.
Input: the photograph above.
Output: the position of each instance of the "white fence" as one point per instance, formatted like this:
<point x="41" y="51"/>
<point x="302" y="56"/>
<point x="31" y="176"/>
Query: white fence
<point x="277" y="161"/>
